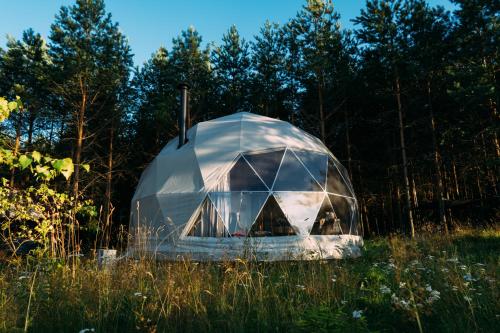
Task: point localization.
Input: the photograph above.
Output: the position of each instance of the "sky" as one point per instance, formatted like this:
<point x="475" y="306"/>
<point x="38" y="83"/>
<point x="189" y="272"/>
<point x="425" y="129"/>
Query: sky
<point x="149" y="24"/>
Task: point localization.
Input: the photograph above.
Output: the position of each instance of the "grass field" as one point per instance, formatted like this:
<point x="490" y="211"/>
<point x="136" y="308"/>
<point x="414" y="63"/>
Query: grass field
<point x="432" y="284"/>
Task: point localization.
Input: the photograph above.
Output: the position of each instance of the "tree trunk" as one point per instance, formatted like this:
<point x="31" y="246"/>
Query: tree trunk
<point x="437" y="162"/>
<point x="109" y="180"/>
<point x="31" y="127"/>
<point x="348" y="144"/>
<point x="321" y="112"/>
<point x="80" y="122"/>
<point x="403" y="157"/>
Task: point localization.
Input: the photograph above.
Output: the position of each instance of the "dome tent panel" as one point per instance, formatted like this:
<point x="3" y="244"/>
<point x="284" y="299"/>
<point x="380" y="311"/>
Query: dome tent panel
<point x="266" y="164"/>
<point x="315" y="163"/>
<point x="146" y="222"/>
<point x="344" y="174"/>
<point x="180" y="172"/>
<point x="272" y="221"/>
<point x="241" y="177"/>
<point x="325" y="222"/>
<point x="208" y="222"/>
<point x="258" y="132"/>
<point x="293" y="176"/>
<point x="300" y="208"/>
<point x="238" y="209"/>
<point x="335" y="182"/>
<point x="177" y="208"/>
<point x="217" y="145"/>
<point x="147" y="184"/>
<point x="343" y="208"/>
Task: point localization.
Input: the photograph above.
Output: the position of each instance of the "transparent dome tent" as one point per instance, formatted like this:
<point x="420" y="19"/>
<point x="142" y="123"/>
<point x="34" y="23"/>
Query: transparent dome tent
<point x="245" y="185"/>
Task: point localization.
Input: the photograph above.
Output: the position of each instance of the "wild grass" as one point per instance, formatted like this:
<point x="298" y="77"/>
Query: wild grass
<point x="431" y="284"/>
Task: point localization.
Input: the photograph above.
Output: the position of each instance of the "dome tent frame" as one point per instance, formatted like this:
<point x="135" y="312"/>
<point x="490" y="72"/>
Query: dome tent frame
<point x="200" y="183"/>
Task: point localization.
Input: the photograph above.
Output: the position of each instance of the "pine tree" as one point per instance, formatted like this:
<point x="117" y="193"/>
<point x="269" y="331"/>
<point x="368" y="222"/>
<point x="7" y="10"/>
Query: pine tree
<point x="268" y="66"/>
<point x="382" y="38"/>
<point x="191" y="64"/>
<point x="319" y="39"/>
<point x="231" y="66"/>
<point x="91" y="68"/>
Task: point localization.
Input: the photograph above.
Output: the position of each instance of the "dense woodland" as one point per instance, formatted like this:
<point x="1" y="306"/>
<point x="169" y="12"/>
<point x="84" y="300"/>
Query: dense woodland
<point x="407" y="101"/>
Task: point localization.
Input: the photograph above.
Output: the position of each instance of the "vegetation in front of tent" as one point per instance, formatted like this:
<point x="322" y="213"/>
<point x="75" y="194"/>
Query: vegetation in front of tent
<point x="430" y="284"/>
<point x="36" y="217"/>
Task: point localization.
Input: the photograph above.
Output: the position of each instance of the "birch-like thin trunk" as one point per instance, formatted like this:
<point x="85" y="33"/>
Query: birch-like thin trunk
<point x="403" y="157"/>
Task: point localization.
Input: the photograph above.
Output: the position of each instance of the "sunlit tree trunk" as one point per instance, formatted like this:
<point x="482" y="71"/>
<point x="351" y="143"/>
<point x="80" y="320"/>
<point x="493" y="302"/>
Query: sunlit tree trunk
<point x="403" y="157"/>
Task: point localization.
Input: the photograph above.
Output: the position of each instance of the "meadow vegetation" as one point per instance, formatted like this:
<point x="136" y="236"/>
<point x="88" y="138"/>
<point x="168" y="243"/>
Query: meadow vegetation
<point x="431" y="283"/>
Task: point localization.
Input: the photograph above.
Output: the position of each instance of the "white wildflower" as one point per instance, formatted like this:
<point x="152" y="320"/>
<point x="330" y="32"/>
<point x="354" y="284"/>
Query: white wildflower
<point x="391" y="265"/>
<point x="428" y="287"/>
<point x="384" y="289"/>
<point x="404" y="304"/>
<point x="434" y="296"/>
<point x="402" y="284"/>
<point x="87" y="330"/>
<point x="356" y="314"/>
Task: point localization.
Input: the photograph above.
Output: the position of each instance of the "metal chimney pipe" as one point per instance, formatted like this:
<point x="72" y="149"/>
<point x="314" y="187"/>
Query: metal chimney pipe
<point x="184" y="88"/>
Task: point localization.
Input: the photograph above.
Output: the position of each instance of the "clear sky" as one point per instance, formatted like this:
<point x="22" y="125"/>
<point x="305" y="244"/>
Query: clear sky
<point x="149" y="24"/>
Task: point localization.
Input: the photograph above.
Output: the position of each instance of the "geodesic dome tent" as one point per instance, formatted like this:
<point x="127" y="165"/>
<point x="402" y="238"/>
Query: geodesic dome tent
<point x="245" y="185"/>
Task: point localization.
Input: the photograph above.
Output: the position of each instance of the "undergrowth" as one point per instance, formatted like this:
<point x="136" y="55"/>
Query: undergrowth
<point x="430" y="284"/>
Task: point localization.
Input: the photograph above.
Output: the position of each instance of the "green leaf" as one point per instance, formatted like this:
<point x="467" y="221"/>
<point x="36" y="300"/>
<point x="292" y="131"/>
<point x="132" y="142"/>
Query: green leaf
<point x="24" y="161"/>
<point x="57" y="165"/>
<point x="64" y="166"/>
<point x="43" y="171"/>
<point x="86" y="167"/>
<point x="12" y="106"/>
<point x="37" y="157"/>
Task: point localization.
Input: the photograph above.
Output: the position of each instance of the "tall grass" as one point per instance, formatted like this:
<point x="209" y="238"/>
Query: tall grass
<point x="431" y="284"/>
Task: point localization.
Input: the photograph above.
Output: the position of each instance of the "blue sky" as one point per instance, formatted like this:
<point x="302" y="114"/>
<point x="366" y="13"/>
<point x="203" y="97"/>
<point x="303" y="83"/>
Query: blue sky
<point x="149" y="24"/>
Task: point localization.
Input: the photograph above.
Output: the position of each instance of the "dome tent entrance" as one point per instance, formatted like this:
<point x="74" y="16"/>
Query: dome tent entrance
<point x="243" y="184"/>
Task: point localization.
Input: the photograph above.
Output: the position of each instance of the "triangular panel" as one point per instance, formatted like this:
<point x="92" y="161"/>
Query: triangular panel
<point x="238" y="209"/>
<point x="316" y="163"/>
<point x="301" y="208"/>
<point x="208" y="222"/>
<point x="292" y="176"/>
<point x="241" y="177"/>
<point x="271" y="221"/>
<point x="334" y="181"/>
<point x="327" y="222"/>
<point x="345" y="209"/>
<point x="266" y="164"/>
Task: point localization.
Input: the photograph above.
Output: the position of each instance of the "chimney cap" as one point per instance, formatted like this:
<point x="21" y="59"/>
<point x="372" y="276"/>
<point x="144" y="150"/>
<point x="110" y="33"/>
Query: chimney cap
<point x="183" y="85"/>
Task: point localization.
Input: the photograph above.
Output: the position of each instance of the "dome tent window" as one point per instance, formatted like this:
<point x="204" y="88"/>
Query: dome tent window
<point x="247" y="177"/>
